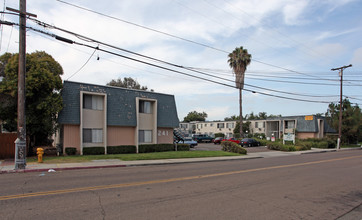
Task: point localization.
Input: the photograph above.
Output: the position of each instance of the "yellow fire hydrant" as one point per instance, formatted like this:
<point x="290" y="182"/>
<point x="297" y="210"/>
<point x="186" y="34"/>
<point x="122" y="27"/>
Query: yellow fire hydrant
<point x="40" y="152"/>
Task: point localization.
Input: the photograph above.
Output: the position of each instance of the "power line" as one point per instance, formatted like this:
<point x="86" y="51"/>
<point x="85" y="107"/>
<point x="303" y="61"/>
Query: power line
<point x="177" y="37"/>
<point x="171" y="70"/>
<point x="83" y="65"/>
<point x="157" y="60"/>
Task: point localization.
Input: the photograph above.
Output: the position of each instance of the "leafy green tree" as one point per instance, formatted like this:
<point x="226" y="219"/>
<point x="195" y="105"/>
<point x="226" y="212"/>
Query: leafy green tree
<point x="43" y="100"/>
<point x="246" y="127"/>
<point x="351" y="121"/>
<point x="127" y="82"/>
<point x="232" y="118"/>
<point x="238" y="60"/>
<point x="195" y="116"/>
<point x="262" y="115"/>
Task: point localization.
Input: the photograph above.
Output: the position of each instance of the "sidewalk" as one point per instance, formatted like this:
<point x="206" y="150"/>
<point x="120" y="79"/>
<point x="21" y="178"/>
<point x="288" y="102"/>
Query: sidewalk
<point x="8" y="166"/>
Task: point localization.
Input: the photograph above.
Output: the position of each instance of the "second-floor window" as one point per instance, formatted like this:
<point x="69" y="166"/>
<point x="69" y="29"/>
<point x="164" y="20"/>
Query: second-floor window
<point x="229" y="125"/>
<point x="145" y="107"/>
<point x="220" y="125"/>
<point x="94" y="102"/>
<point x="289" y="124"/>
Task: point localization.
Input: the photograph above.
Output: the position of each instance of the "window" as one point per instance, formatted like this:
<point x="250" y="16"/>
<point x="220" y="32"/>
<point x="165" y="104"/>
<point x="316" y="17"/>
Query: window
<point x="184" y="126"/>
<point x="199" y="126"/>
<point x="289" y="124"/>
<point x="229" y="125"/>
<point x="145" y="136"/>
<point x="205" y="125"/>
<point x="259" y="124"/>
<point x="92" y="135"/>
<point x="145" y="107"/>
<point x="220" y="125"/>
<point x="211" y="125"/>
<point x="94" y="102"/>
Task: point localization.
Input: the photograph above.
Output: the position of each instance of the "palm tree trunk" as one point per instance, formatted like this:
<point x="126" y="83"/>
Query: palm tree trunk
<point x="241" y="112"/>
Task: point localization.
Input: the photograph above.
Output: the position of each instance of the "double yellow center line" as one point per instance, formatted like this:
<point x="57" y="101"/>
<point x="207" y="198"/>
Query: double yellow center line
<point x="122" y="185"/>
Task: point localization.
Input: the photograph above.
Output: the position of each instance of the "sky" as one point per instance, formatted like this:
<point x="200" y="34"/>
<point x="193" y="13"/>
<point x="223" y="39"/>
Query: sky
<point x="294" y="45"/>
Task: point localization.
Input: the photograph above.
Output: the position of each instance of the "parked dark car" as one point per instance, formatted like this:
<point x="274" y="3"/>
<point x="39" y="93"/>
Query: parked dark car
<point x="249" y="142"/>
<point x="218" y="140"/>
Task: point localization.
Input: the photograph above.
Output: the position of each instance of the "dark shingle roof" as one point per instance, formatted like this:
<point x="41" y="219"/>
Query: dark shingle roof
<point x="121" y="105"/>
<point x="306" y="125"/>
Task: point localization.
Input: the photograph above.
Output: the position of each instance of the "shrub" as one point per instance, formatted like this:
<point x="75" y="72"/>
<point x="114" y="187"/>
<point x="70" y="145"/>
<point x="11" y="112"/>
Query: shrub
<point x="219" y="135"/>
<point x="123" y="149"/>
<point x="258" y="135"/>
<point x="183" y="147"/>
<point x="93" y="150"/>
<point x="70" y="150"/>
<point x="148" y="148"/>
<point x="233" y="147"/>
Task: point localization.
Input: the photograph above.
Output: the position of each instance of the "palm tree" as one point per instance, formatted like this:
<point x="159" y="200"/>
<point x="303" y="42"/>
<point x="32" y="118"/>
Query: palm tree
<point x="238" y="60"/>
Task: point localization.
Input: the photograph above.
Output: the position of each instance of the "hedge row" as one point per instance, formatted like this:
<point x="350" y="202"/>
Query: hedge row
<point x="128" y="149"/>
<point x="233" y="147"/>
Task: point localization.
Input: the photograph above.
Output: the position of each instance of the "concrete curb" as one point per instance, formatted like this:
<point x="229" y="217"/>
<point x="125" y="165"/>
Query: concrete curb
<point x="163" y="162"/>
<point x="197" y="160"/>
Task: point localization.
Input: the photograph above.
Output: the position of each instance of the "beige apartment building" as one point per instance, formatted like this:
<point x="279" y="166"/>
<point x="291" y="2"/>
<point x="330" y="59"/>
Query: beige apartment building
<point x="306" y="126"/>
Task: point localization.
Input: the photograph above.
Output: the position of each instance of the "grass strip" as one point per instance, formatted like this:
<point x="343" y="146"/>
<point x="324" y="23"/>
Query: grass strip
<point x="130" y="157"/>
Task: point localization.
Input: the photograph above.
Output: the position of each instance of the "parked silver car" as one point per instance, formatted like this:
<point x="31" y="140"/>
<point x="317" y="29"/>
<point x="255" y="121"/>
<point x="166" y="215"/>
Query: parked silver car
<point x="189" y="141"/>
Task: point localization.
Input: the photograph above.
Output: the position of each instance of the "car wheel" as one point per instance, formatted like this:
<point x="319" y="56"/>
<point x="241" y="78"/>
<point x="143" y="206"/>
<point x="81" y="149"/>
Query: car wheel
<point x="249" y="145"/>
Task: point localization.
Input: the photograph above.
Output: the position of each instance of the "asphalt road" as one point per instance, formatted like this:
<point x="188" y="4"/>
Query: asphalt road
<point x="309" y="186"/>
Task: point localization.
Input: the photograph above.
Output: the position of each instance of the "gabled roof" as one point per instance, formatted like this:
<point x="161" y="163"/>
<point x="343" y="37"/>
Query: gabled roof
<point x="121" y="105"/>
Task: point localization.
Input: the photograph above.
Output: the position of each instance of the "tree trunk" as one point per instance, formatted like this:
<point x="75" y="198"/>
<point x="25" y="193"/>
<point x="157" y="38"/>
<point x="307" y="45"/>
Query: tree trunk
<point x="241" y="112"/>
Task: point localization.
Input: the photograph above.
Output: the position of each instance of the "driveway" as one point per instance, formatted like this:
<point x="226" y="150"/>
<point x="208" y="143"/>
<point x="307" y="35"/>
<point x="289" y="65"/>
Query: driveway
<point x="213" y="147"/>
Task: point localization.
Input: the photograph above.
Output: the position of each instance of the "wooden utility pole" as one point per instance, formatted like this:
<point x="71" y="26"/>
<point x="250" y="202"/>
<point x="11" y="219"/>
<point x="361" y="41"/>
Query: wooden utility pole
<point x="20" y="143"/>
<point x="340" y="103"/>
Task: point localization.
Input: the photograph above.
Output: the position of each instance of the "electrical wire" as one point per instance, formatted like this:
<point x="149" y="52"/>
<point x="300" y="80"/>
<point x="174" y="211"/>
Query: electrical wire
<point x="172" y="70"/>
<point x="43" y="24"/>
<point x="177" y="37"/>
<point x="83" y="65"/>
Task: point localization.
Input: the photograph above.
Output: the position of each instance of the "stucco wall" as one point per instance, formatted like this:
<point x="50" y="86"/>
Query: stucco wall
<point x="120" y="135"/>
<point x="71" y="137"/>
<point x="164" y="135"/>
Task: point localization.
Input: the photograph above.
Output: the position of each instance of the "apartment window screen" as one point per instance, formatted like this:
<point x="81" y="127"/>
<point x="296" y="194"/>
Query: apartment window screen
<point x="229" y="125"/>
<point x="260" y="124"/>
<point x="145" y="136"/>
<point x="184" y="125"/>
<point x="145" y="107"/>
<point x="289" y="124"/>
<point x="94" y="102"/>
<point x="92" y="135"/>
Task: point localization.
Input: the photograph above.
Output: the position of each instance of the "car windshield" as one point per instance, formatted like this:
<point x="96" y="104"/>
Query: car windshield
<point x="188" y="139"/>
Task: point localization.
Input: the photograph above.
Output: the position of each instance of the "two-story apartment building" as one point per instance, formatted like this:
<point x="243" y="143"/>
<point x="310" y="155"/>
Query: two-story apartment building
<point x="101" y="116"/>
<point x="310" y="126"/>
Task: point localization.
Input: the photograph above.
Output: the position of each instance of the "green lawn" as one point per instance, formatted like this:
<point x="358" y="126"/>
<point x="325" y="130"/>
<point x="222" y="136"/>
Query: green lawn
<point x="128" y="157"/>
<point x="350" y="145"/>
